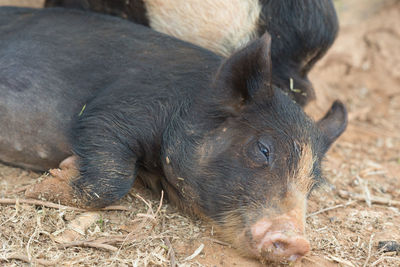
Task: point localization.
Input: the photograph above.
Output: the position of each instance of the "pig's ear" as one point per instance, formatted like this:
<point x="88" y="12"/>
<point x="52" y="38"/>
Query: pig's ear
<point x="333" y="123"/>
<point x="248" y="71"/>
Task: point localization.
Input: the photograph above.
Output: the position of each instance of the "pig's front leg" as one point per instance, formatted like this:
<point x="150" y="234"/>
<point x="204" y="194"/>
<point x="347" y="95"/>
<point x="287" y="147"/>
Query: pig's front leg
<point x="103" y="169"/>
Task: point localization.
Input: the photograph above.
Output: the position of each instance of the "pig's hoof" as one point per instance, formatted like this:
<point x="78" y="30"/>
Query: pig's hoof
<point x="69" y="163"/>
<point x="57" y="188"/>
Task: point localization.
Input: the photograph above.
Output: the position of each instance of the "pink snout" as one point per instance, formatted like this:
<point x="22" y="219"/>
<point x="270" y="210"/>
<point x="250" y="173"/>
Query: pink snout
<point x="279" y="239"/>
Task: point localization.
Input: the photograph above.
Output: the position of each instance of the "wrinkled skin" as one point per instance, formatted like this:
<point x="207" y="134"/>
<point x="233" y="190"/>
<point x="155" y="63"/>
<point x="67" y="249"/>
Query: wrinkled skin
<point x="302" y="32"/>
<point x="220" y="139"/>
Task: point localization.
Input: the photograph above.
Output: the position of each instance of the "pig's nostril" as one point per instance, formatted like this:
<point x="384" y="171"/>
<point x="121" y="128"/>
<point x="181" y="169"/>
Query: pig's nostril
<point x="294" y="257"/>
<point x="291" y="247"/>
<point x="278" y="239"/>
<point x="278" y="245"/>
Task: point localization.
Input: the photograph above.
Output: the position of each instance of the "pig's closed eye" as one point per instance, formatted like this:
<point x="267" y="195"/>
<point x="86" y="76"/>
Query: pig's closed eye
<point x="264" y="150"/>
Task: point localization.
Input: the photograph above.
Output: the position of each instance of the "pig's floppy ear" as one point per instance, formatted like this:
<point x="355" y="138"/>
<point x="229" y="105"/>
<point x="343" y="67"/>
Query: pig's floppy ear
<point x="248" y="71"/>
<point x="333" y="124"/>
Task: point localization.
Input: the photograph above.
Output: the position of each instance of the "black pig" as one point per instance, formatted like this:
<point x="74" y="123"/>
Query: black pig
<point x="302" y="30"/>
<point x="221" y="140"/>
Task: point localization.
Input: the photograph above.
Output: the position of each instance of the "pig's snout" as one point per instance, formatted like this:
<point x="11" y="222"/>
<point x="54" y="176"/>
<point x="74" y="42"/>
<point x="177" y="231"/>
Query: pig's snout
<point x="279" y="239"/>
<point x="283" y="246"/>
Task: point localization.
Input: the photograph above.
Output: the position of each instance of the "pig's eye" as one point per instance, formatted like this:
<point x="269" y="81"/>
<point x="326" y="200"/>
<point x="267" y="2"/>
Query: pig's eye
<point x="264" y="150"/>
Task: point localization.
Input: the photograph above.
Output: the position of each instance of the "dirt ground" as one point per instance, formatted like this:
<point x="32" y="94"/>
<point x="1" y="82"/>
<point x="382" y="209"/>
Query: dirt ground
<point x="362" y="69"/>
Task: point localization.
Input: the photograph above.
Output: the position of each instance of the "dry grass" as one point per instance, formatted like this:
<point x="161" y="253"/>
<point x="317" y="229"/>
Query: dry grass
<point x="363" y="69"/>
<point x="140" y="236"/>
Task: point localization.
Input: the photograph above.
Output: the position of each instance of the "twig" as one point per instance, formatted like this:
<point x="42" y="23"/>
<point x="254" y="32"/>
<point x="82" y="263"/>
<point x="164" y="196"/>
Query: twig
<point x="342" y="261"/>
<point x="217" y="241"/>
<point x="110" y="239"/>
<point x="171" y="252"/>
<point x="31" y="237"/>
<point x="114" y="239"/>
<point x="145" y="215"/>
<point x="195" y="253"/>
<point x="116" y="207"/>
<point x="145" y="202"/>
<point x="161" y="202"/>
<point x="88" y="244"/>
<point x="12" y="201"/>
<point x="330" y="208"/>
<point x="382" y="259"/>
<point x="19" y="189"/>
<point x="310" y="260"/>
<point x="150" y="213"/>
<point x="369" y="250"/>
<point x="31" y="261"/>
<point x="374" y="199"/>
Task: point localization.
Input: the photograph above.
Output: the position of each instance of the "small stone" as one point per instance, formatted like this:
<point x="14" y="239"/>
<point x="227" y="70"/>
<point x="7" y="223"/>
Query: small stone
<point x="389" y="246"/>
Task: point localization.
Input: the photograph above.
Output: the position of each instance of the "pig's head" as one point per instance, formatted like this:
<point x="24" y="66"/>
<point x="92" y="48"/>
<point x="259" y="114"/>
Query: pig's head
<point x="253" y="168"/>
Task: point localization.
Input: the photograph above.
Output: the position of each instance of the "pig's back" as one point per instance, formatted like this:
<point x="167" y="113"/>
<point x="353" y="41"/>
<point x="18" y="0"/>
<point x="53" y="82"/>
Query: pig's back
<point x="52" y="61"/>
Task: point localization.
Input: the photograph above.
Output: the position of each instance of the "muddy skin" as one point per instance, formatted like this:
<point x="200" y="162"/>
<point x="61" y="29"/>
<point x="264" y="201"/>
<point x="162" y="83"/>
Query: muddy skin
<point x="217" y="136"/>
<point x="302" y="33"/>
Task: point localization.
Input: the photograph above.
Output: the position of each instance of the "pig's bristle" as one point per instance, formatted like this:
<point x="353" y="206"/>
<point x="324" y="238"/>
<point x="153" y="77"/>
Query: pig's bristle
<point x="303" y="177"/>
